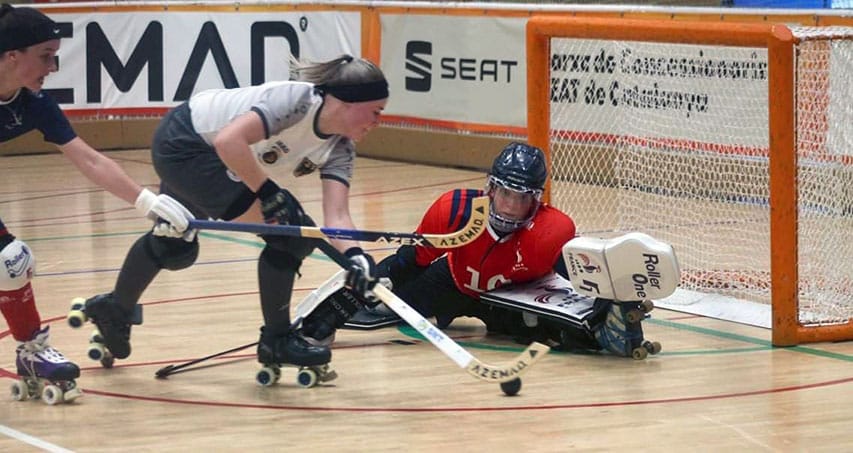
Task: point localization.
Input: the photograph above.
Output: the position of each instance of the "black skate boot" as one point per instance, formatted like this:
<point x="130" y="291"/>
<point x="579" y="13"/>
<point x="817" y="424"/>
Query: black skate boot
<point x="291" y="349"/>
<point x="113" y="324"/>
<point x="622" y="331"/>
<point x="44" y="372"/>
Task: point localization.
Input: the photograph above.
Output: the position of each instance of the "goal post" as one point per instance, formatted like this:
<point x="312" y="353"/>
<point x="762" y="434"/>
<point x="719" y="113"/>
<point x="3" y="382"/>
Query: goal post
<point x="731" y="141"/>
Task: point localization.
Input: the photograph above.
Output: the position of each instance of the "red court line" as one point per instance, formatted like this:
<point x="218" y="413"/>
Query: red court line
<point x="452" y="409"/>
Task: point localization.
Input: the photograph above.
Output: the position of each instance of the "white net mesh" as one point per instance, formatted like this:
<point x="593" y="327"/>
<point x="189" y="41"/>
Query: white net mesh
<point x="672" y="140"/>
<point x="825" y="179"/>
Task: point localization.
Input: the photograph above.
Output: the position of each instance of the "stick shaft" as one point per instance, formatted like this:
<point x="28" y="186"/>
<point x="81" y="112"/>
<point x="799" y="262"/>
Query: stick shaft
<point x="172" y="369"/>
<point x="435" y="336"/>
<point x="488" y="372"/>
<point x="475" y="226"/>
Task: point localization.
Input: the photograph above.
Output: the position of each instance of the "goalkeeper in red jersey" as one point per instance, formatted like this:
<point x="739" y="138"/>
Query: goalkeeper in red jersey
<point x="522" y="243"/>
<point x="526" y="244"/>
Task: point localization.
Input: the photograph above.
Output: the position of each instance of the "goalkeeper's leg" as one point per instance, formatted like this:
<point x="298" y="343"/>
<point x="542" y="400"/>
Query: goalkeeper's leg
<point x="621" y="333"/>
<point x="430" y="290"/>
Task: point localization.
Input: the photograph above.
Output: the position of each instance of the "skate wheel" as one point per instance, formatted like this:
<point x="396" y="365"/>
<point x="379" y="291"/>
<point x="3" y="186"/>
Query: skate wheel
<point x="20" y="391"/>
<point x="639" y="353"/>
<point x="76" y="318"/>
<point x="78" y="303"/>
<point x="268" y="376"/>
<point x="634" y="316"/>
<point x="652" y="346"/>
<point x="96" y="351"/>
<point x="647" y="306"/>
<point x="306" y="377"/>
<point x="96" y="337"/>
<point x="51" y="395"/>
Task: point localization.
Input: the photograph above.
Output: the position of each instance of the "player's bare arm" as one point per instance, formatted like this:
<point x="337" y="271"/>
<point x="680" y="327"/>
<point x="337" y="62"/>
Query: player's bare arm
<point x="101" y="170"/>
<point x="232" y="145"/>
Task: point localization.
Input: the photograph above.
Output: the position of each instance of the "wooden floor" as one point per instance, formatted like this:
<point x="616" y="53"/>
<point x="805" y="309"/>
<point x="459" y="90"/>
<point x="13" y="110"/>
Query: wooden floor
<point x="716" y="386"/>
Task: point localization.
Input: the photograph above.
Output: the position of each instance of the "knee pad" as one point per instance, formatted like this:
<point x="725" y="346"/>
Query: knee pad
<point x="171" y="253"/>
<point x="288" y="250"/>
<point x="18" y="265"/>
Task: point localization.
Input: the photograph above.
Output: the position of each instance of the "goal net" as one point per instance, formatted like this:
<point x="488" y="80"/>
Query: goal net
<point x="732" y="142"/>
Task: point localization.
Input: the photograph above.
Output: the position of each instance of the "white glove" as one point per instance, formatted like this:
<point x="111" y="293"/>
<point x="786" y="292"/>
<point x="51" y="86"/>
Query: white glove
<point x="373" y="299"/>
<point x="164" y="207"/>
<point x="164" y="229"/>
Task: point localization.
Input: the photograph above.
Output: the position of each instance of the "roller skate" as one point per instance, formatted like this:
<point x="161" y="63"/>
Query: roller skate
<point x="44" y="372"/>
<point x="622" y="331"/>
<point x="291" y="349"/>
<point x="111" y="338"/>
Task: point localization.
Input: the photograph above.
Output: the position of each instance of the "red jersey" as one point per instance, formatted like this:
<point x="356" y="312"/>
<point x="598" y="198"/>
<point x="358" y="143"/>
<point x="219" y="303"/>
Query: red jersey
<point x="491" y="261"/>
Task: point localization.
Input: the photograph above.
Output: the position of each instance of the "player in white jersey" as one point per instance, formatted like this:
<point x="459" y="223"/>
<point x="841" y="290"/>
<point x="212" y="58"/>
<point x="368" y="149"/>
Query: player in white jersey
<point x="211" y="153"/>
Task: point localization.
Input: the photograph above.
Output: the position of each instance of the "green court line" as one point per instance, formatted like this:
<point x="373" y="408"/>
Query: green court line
<point x="711" y="332"/>
<point x="93" y="235"/>
<point x="763" y="345"/>
<point x="251" y="243"/>
<point x="257" y="244"/>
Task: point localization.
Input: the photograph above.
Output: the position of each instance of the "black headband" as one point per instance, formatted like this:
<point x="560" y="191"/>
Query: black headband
<point x="360" y="92"/>
<point x="24" y="27"/>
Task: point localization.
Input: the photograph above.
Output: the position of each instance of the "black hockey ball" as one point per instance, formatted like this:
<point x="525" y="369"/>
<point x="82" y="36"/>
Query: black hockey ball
<point x="511" y="388"/>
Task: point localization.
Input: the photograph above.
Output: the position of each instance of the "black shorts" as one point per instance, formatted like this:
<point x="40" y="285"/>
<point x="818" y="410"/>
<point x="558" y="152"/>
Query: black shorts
<point x="191" y="171"/>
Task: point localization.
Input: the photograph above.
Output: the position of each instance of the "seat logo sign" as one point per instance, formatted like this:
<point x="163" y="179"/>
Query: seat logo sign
<point x="421" y="81"/>
<point x="467" y="69"/>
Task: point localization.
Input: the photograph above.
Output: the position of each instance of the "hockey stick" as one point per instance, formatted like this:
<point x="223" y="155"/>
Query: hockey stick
<point x="169" y="370"/>
<point x="503" y="372"/>
<point x="305" y="307"/>
<point x="476" y="225"/>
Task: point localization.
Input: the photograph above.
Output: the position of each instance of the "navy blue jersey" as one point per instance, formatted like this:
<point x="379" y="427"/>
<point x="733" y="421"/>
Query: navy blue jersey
<point x="28" y="111"/>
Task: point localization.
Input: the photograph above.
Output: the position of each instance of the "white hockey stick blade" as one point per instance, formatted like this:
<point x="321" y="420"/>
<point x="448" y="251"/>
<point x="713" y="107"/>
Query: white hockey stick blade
<point x="502" y="372"/>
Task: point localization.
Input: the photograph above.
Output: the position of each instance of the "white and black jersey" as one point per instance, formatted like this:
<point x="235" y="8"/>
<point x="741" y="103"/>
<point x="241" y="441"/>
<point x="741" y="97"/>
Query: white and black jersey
<point x="190" y="168"/>
<point x="289" y="113"/>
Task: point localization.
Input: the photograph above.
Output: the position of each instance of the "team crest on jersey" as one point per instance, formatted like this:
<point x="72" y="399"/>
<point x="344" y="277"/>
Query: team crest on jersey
<point x="274" y="152"/>
<point x="519" y="265"/>
<point x="305" y="167"/>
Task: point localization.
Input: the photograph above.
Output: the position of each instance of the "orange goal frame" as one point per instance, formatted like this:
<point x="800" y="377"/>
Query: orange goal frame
<point x="780" y="42"/>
